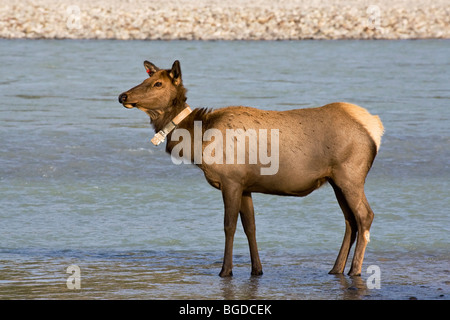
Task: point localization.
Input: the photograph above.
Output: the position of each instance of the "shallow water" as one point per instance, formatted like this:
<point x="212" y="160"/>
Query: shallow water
<point x="81" y="184"/>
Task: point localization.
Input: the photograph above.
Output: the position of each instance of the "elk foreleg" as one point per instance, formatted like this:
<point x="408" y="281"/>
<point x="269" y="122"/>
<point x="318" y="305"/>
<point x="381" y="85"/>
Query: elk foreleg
<point x="248" y="222"/>
<point x="232" y="195"/>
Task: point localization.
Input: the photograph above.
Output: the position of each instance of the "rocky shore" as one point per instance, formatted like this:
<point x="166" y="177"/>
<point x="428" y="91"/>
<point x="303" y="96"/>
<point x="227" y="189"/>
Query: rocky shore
<point x="224" y="20"/>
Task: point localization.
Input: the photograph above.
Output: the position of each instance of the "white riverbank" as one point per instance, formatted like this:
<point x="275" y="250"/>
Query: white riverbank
<point x="225" y="20"/>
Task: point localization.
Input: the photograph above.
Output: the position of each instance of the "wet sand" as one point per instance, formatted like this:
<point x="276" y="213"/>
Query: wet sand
<point x="186" y="275"/>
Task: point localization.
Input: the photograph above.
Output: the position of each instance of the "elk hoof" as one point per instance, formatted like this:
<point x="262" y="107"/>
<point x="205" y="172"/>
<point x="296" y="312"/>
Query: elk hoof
<point x="354" y="274"/>
<point x="257" y="273"/>
<point x="226" y="273"/>
<point x="335" y="271"/>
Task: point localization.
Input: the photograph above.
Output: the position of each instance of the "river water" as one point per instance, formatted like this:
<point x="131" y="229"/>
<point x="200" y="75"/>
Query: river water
<point x="81" y="184"/>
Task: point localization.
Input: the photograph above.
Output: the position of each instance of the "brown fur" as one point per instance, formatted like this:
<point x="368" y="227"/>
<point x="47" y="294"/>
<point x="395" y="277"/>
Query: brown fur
<point x="336" y="143"/>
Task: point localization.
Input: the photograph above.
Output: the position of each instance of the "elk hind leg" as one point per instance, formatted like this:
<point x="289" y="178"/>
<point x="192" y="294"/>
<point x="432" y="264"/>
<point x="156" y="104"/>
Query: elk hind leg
<point x="364" y="217"/>
<point x="350" y="231"/>
<point x="359" y="217"/>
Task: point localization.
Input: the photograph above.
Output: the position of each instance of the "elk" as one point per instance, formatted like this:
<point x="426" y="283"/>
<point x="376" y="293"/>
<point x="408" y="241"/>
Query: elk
<point x="336" y="143"/>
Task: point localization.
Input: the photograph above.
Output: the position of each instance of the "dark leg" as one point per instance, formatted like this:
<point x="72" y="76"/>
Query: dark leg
<point x="350" y="231"/>
<point x="348" y="184"/>
<point x="248" y="221"/>
<point x="232" y="195"/>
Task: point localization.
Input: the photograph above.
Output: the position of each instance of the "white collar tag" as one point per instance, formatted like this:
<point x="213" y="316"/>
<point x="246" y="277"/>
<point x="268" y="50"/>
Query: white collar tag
<point x="161" y="135"/>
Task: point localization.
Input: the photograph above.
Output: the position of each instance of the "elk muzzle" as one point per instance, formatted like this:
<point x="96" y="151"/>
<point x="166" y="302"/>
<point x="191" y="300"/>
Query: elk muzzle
<point x="123" y="100"/>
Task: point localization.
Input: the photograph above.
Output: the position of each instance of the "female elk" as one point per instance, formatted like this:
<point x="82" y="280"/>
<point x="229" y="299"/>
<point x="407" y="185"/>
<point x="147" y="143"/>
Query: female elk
<point x="336" y="143"/>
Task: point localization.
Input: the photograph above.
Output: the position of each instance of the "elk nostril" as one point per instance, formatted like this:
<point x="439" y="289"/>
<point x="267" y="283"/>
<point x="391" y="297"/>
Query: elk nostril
<point x="123" y="98"/>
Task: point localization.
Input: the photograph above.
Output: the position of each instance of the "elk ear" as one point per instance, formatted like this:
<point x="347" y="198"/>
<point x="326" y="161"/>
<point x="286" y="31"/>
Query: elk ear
<point x="150" y="68"/>
<point x="175" y="73"/>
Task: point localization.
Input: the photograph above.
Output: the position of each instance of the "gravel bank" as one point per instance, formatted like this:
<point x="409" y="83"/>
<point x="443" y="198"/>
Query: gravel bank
<point x="225" y="20"/>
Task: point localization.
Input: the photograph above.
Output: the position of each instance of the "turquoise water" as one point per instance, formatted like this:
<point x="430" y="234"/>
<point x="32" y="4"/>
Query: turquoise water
<point x="81" y="184"/>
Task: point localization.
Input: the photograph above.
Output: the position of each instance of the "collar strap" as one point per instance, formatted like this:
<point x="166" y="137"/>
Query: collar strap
<point x="161" y="135"/>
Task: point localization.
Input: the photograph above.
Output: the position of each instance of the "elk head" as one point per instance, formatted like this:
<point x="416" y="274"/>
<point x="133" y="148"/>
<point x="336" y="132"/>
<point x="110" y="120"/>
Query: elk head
<point x="160" y="93"/>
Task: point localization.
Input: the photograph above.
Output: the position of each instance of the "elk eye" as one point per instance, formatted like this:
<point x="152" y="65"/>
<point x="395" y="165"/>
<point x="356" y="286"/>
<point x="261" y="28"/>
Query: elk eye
<point x="158" y="84"/>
